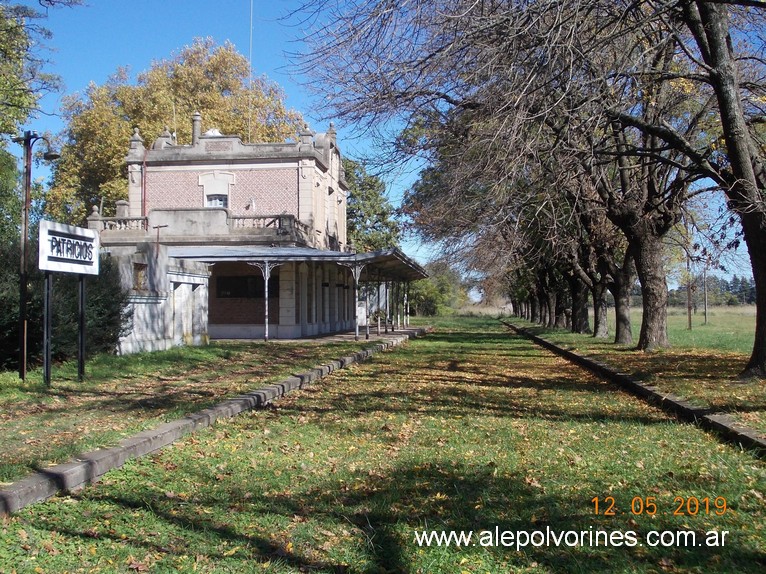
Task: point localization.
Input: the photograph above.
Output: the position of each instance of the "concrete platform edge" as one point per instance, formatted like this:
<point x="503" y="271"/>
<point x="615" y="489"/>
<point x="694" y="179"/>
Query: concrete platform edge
<point x="720" y="423"/>
<point x="89" y="467"/>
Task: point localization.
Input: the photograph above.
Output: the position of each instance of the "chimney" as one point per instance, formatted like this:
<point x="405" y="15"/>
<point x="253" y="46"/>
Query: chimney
<point x="196" y="127"/>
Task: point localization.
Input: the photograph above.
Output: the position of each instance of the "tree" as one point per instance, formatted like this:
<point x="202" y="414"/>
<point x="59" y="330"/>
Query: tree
<point x="107" y="311"/>
<point x="213" y="80"/>
<point x="739" y="96"/>
<point x="371" y="223"/>
<point x="22" y="81"/>
<point x="664" y="93"/>
<point x="10" y="200"/>
<point x="722" y="44"/>
<point x="440" y="293"/>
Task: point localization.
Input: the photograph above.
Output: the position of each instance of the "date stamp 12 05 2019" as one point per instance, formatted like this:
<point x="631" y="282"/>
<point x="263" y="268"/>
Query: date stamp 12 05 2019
<point x="650" y="505"/>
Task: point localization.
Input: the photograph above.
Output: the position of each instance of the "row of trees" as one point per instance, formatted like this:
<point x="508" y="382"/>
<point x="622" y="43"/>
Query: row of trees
<point x="737" y="291"/>
<point x="564" y="139"/>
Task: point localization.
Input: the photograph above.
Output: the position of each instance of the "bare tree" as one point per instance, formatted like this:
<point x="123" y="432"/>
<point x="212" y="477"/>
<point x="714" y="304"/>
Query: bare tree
<point x="640" y="86"/>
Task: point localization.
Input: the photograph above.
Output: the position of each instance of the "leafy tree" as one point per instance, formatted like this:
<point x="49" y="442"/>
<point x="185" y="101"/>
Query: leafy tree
<point x="442" y="292"/>
<point x="107" y="313"/>
<point x="370" y="216"/>
<point x="10" y="200"/>
<point x="649" y="97"/>
<point x="22" y="81"/>
<point x="213" y="80"/>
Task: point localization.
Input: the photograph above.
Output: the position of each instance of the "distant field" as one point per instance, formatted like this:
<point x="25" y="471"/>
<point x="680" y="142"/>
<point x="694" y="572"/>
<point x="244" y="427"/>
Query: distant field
<point x="727" y="329"/>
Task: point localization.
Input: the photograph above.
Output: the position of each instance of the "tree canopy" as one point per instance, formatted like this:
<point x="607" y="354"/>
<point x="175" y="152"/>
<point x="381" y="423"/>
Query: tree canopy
<point x="10" y="200"/>
<point x="601" y="118"/>
<point x="211" y="79"/>
<point x="371" y="223"/>
<point x="22" y="79"/>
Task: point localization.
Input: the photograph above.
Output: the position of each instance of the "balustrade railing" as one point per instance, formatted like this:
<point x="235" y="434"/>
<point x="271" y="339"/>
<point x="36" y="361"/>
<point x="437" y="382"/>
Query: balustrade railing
<point x="256" y="221"/>
<point x="122" y="223"/>
<point x="281" y="224"/>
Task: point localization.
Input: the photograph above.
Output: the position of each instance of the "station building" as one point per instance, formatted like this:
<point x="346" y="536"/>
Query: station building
<point x="228" y="240"/>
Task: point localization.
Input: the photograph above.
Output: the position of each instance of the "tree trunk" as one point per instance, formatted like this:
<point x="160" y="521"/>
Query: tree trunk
<point x="755" y="238"/>
<point x="710" y="26"/>
<point x="550" y="303"/>
<point x="534" y="311"/>
<point x="600" y="327"/>
<point x="561" y="313"/>
<point x="543" y="306"/>
<point x="620" y="288"/>
<point x="623" y="329"/>
<point x="647" y="253"/>
<point x="580" y="322"/>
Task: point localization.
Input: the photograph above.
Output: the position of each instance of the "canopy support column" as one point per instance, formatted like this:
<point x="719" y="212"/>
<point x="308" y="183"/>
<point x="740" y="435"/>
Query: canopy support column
<point x="266" y="267"/>
<point x="356" y="271"/>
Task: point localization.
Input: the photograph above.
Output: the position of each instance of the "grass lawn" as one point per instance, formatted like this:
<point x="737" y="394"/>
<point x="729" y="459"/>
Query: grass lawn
<point x="467" y="429"/>
<point x="41" y="426"/>
<point x="701" y="365"/>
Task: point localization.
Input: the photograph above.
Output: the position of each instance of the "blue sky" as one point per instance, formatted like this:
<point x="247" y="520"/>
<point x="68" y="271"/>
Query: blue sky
<point x="90" y="42"/>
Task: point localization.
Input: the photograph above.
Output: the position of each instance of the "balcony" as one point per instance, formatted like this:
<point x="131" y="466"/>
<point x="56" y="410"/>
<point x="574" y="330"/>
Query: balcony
<point x="203" y="226"/>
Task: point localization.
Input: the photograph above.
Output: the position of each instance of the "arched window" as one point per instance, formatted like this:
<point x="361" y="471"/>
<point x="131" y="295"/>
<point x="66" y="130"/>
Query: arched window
<point x="216" y="188"/>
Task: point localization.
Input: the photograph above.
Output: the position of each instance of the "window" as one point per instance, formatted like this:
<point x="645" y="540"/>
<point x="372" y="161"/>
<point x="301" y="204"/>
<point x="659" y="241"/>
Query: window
<point x="217" y="200"/>
<point x="246" y="287"/>
<point x="140" y="279"/>
<point x="216" y="187"/>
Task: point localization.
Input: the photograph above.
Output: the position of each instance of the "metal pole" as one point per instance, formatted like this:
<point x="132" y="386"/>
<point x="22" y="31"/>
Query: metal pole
<point x="385" y="288"/>
<point x="356" y="273"/>
<point x="378" y="305"/>
<point x="398" y="306"/>
<point x="407" y="305"/>
<point x="356" y="308"/>
<point x="266" y="276"/>
<point x="81" y="331"/>
<point x="27" y="143"/>
<point x="367" y="312"/>
<point x="266" y="268"/>
<point x="47" y="312"/>
<point x="704" y="288"/>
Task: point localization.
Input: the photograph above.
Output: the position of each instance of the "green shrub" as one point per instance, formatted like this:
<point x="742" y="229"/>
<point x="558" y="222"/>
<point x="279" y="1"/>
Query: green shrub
<point x="107" y="315"/>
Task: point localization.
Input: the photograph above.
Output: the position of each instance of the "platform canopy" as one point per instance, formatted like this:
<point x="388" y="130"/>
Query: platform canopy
<point x="384" y="265"/>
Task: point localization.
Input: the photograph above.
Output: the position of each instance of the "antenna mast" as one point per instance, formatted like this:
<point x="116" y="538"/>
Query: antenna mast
<point x="250" y="85"/>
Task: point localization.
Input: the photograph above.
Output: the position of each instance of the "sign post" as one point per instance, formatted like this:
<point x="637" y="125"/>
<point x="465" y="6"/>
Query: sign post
<point x="66" y="249"/>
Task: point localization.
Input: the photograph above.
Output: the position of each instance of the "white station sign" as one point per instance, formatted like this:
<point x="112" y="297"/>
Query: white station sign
<point x="68" y="249"/>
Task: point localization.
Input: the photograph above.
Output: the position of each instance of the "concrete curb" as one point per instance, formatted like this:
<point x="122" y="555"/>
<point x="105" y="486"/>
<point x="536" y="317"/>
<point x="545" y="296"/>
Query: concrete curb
<point x="88" y="468"/>
<point x="721" y="423"/>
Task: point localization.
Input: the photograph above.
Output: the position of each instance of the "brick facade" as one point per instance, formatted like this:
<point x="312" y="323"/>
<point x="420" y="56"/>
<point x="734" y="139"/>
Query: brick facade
<point x="265" y="191"/>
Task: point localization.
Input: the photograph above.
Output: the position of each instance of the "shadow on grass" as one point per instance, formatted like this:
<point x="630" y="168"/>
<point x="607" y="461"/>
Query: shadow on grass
<point x="383" y="513"/>
<point x="299" y="519"/>
<point x="454" y="382"/>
